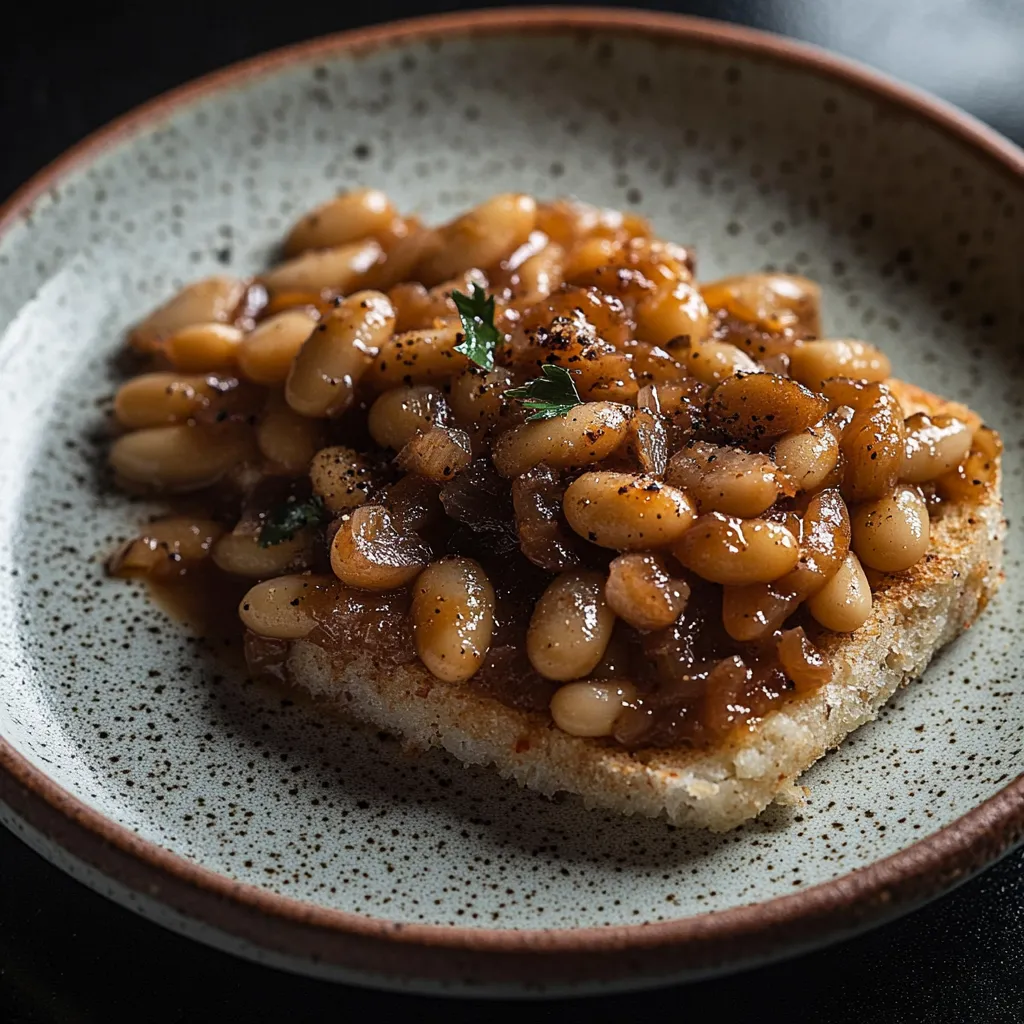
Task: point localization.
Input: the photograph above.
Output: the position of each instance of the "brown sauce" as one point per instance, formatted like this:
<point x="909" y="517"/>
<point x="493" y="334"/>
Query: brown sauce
<point x="685" y="696"/>
<point x="205" y="600"/>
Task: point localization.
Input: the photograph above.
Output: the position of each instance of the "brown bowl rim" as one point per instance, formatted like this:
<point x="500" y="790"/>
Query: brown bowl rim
<point x="710" y="940"/>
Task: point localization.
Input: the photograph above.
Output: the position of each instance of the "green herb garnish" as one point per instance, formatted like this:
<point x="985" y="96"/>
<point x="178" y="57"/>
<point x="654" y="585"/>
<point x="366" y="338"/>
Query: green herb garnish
<point x="285" y="520"/>
<point x="476" y="312"/>
<point x="552" y="394"/>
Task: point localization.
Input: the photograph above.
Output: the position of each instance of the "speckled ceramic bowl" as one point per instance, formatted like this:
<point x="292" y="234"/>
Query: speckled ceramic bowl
<point x="139" y="763"/>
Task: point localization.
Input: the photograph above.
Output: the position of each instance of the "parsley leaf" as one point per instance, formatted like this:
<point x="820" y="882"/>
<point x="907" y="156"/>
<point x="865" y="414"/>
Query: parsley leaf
<point x="476" y="312"/>
<point x="552" y="394"/>
<point x="285" y="520"/>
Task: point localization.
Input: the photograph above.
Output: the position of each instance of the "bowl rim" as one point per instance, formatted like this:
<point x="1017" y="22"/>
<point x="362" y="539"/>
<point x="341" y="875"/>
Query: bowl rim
<point x="826" y="910"/>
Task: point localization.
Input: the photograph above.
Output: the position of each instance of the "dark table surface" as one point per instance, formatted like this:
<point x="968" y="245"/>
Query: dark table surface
<point x="68" y="955"/>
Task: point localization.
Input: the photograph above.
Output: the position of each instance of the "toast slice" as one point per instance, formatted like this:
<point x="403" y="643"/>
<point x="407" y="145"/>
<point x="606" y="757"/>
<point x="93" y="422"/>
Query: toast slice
<point x="915" y="614"/>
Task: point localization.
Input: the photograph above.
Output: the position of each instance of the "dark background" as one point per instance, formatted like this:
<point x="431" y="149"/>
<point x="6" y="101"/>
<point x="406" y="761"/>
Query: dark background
<point x="68" y="955"/>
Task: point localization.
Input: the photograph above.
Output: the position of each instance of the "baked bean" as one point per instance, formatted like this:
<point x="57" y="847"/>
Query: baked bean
<point x="933" y="446"/>
<point x="212" y="300"/>
<point x="341" y="477"/>
<point x="824" y="532"/>
<point x="727" y="480"/>
<point x="240" y="554"/>
<point x="508" y="267"/>
<point x="417" y="308"/>
<point x="266" y="353"/>
<point x="755" y="611"/>
<point x="844" y="603"/>
<point x="453" y="618"/>
<point x="652" y="365"/>
<point x="478" y="402"/>
<point x="627" y="512"/>
<point x="181" y="458"/>
<point x="596" y="321"/>
<point x="342" y="269"/>
<point x="570" y="626"/>
<point x="335" y="356"/>
<point x="566" y="221"/>
<point x="972" y="478"/>
<point x="539" y="275"/>
<point x="400" y="414"/>
<point x="726" y="549"/>
<point x="413" y="308"/>
<point x="769" y="348"/>
<point x="606" y="378"/>
<point x="631" y="226"/>
<point x="572" y="341"/>
<point x="684" y="405"/>
<point x="712" y="361"/>
<point x="204" y="348"/>
<point x="480" y="237"/>
<point x="285" y="438"/>
<point x="814" y="362"/>
<point x="437" y="455"/>
<point x="873" y="443"/>
<point x="588" y="256"/>
<point x="678" y="311"/>
<point x="641" y="591"/>
<point x="754" y="406"/>
<point x="369" y="553"/>
<point x="650" y="274"/>
<point x="590" y="709"/>
<point x="287" y="608"/>
<point x="776" y="302"/>
<point x="313" y="303"/>
<point x="571" y="220"/>
<point x="350" y="217"/>
<point x="838" y="419"/>
<point x="805" y="664"/>
<point x="808" y="457"/>
<point x="417" y="357"/>
<point x="155" y="399"/>
<point x="583" y="436"/>
<point x="166" y="548"/>
<point x="891" y="533"/>
<point x="399" y="261"/>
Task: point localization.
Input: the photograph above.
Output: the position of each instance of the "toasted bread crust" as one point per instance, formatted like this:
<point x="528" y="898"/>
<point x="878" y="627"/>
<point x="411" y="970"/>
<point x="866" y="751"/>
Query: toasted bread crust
<point x="915" y="613"/>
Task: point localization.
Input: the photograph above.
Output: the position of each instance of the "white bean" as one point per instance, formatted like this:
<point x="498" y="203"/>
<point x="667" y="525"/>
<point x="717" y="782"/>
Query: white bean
<point x="590" y="709"/>
<point x="583" y="436"/>
<point x="342" y="269"/>
<point x="181" y="458"/>
<point x="324" y="374"/>
<point x="570" y="627"/>
<point x="286" y="608"/>
<point x="627" y="512"/>
<point x="453" y="617"/>
<point x="933" y="446"/>
<point x="734" y="551"/>
<point x="891" y="533"/>
<point x="814" y="362"/>
<point x="844" y="603"/>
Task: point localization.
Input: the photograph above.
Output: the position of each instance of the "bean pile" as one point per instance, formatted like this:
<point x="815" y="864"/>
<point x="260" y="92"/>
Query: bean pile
<point x="530" y="450"/>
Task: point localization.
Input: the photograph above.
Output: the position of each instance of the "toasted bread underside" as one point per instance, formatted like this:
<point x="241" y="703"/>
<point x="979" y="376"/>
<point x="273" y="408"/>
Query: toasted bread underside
<point x="915" y="613"/>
